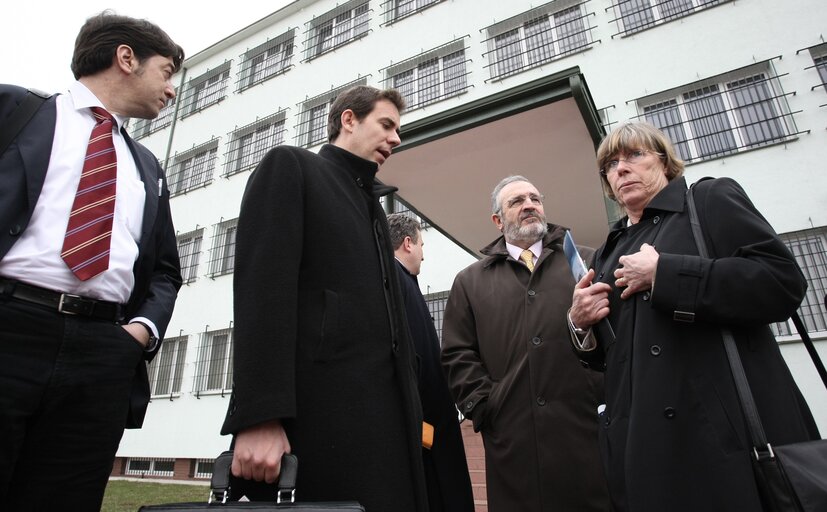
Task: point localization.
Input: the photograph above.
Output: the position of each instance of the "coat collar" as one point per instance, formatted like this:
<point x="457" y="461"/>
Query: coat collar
<point x="496" y="250"/>
<point x="362" y="171"/>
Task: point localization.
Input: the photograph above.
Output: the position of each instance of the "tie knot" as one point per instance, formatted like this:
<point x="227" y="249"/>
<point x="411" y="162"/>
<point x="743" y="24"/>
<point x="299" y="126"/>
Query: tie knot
<point x="528" y="258"/>
<point x="101" y="115"/>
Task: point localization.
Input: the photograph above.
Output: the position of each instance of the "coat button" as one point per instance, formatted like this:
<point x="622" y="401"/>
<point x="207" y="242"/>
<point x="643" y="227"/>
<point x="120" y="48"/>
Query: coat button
<point x="359" y="182"/>
<point x="386" y="283"/>
<point x="15" y="230"/>
<point x="532" y="293"/>
<point x="654" y="350"/>
<point x="395" y="346"/>
<point x="469" y="405"/>
<point x="656" y="219"/>
<point x="541" y="401"/>
<point x="669" y="413"/>
<point x="646" y="295"/>
<point x="536" y="340"/>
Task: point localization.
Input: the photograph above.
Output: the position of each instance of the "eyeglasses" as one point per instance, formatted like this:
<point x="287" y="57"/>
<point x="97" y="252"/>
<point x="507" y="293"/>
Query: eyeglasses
<point x="632" y="157"/>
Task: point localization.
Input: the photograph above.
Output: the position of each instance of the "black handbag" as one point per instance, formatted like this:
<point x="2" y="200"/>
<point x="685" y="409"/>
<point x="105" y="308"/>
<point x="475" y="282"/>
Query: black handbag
<point x="284" y="499"/>
<point x="792" y="477"/>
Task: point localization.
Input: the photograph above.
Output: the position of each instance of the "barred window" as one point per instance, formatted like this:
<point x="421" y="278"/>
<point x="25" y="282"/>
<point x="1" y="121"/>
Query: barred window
<point x="722" y="115"/>
<point x="205" y="90"/>
<point x="139" y="466"/>
<point x="204" y="468"/>
<point x="189" y="252"/>
<point x="347" y="22"/>
<point x="636" y="15"/>
<point x="223" y="248"/>
<point x="144" y="127"/>
<point x="533" y="38"/>
<point x="214" y="367"/>
<point x="436" y="305"/>
<point x="167" y="368"/>
<point x="266" y="60"/>
<point x="193" y="168"/>
<point x="810" y="250"/>
<point x="249" y="143"/>
<point x="312" y="125"/>
<point x="395" y="10"/>
<point x="819" y="56"/>
<point x="431" y="76"/>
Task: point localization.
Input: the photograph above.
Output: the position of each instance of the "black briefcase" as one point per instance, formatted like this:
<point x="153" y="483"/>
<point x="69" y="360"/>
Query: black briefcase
<point x="285" y="499"/>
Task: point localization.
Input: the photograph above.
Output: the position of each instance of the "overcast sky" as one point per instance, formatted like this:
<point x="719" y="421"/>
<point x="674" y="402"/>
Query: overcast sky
<point x="37" y="38"/>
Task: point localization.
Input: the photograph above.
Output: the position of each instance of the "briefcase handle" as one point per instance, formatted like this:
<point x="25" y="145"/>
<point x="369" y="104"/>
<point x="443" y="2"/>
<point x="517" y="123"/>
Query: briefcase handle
<point x="220" y="481"/>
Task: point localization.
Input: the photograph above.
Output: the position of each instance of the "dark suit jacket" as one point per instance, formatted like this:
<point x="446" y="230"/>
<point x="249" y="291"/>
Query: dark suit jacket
<point x="157" y="270"/>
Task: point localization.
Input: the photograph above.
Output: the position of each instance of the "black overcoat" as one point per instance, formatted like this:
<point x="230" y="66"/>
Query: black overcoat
<point x="446" y="468"/>
<point x="320" y="333"/>
<point x="672" y="435"/>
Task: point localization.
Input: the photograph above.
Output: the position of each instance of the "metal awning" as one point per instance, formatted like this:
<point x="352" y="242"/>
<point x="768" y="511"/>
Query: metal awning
<point x="545" y="130"/>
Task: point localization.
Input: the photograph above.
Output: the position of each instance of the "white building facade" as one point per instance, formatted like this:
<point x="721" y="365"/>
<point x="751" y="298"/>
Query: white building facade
<point x="739" y="86"/>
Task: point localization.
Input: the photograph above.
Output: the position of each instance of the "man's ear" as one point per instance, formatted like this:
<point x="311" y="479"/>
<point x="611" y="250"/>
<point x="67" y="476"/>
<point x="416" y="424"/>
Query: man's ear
<point x="125" y="59"/>
<point x="495" y="218"/>
<point x="406" y="243"/>
<point x="348" y="120"/>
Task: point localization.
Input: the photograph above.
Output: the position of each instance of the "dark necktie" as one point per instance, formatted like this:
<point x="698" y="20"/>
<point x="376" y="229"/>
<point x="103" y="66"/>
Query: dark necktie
<point x="89" y="232"/>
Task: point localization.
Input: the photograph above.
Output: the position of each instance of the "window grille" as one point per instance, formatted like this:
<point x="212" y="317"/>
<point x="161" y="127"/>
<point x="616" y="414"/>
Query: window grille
<point x="819" y="55"/>
<point x="142" y="467"/>
<point x="167" y="368"/>
<point x="344" y="24"/>
<point x="214" y="367"/>
<point x="189" y="252"/>
<point x="740" y="110"/>
<point x="249" y="143"/>
<point x="266" y="60"/>
<point x="205" y="90"/>
<point x="144" y="127"/>
<point x="312" y="124"/>
<point x="633" y="16"/>
<point x="543" y="34"/>
<point x="436" y="305"/>
<point x="204" y="468"/>
<point x="223" y="248"/>
<point x="810" y="250"/>
<point x="431" y="76"/>
<point x="193" y="168"/>
<point x="395" y="10"/>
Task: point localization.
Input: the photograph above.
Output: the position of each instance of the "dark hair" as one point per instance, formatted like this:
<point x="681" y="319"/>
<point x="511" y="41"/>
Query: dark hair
<point x="400" y="226"/>
<point x="101" y="35"/>
<point x="361" y="100"/>
<point x="638" y="135"/>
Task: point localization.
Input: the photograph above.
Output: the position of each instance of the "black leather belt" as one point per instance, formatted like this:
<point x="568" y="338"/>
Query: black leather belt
<point x="65" y="303"/>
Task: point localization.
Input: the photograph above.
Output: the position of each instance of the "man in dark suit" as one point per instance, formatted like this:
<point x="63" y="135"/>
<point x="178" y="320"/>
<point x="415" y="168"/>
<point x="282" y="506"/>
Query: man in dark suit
<point x="322" y="362"/>
<point x="74" y="333"/>
<point x="443" y="452"/>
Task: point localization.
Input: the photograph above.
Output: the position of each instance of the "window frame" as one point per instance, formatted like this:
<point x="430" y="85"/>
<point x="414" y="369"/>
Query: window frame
<point x="259" y="136"/>
<point x="206" y="90"/>
<point x="337" y="27"/>
<point x="705" y="121"/>
<point x="189" y="251"/>
<point x="193" y="169"/>
<point x="648" y="14"/>
<point x="171" y="359"/>
<point x="280" y="49"/>
<point x="222" y="260"/>
<point x="214" y="371"/>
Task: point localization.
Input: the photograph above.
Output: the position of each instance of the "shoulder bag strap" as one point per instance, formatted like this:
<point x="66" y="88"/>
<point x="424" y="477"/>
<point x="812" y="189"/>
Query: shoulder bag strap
<point x="756" y="429"/>
<point x="20" y="117"/>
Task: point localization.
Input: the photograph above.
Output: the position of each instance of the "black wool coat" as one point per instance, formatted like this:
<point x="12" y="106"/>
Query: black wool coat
<point x="320" y="335"/>
<point x="672" y="435"/>
<point x="446" y="469"/>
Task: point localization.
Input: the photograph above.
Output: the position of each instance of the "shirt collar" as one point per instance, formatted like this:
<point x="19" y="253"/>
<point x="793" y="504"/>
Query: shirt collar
<point x="515" y="251"/>
<point x="83" y="98"/>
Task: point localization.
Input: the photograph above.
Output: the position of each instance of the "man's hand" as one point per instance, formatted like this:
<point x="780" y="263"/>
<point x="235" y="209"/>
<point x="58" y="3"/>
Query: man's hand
<point x="590" y="302"/>
<point x="637" y="271"/>
<point x="258" y="450"/>
<point x="139" y="332"/>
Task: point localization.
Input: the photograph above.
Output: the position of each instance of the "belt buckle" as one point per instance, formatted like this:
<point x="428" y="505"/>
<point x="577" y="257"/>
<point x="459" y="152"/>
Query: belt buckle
<point x="63" y="297"/>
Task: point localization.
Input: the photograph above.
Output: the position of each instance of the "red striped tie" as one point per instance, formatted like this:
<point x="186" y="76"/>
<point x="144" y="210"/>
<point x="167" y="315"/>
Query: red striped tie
<point x="89" y="232"/>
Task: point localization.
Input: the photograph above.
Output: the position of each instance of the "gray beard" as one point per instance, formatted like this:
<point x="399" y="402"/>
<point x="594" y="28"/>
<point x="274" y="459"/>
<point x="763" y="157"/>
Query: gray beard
<point x="530" y="233"/>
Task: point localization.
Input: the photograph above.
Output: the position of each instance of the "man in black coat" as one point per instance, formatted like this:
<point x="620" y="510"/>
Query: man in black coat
<point x="73" y="344"/>
<point x="443" y="453"/>
<point x="323" y="364"/>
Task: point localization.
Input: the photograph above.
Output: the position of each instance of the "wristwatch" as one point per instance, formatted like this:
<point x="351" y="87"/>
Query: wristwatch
<point x="153" y="340"/>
